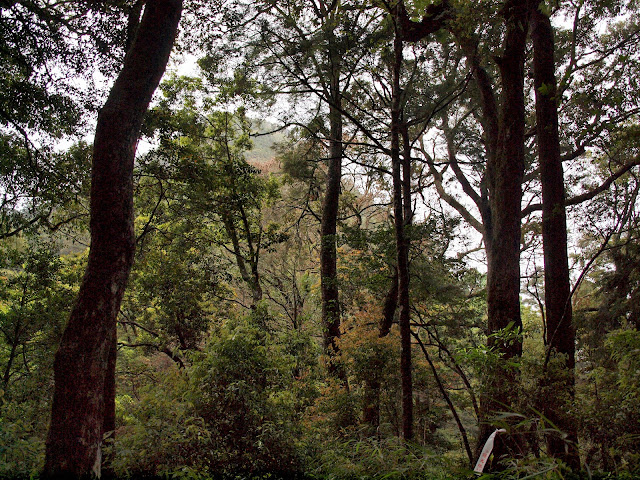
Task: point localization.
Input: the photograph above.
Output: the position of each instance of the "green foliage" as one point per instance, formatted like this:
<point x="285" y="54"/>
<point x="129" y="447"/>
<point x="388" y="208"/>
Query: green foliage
<point x="201" y="171"/>
<point x="48" y="55"/>
<point x="160" y="432"/>
<point x="609" y="404"/>
<point x="219" y="368"/>
<point x="607" y="321"/>
<point x="21" y="444"/>
<point x="236" y="411"/>
<point x="372" y="458"/>
<point x="170" y="290"/>
<point x="46" y="188"/>
<point x="37" y="291"/>
<point x="37" y="288"/>
<point x="246" y="396"/>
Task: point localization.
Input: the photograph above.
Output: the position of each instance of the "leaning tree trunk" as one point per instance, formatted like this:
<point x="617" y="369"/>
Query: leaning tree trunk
<point x="559" y="383"/>
<point x="84" y="367"/>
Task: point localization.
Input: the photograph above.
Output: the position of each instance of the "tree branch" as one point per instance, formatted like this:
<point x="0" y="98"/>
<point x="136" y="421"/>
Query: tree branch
<point x="578" y="199"/>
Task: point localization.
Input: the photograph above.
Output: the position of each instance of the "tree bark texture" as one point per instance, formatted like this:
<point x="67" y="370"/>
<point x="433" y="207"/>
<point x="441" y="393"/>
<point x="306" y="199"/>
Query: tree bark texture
<point x="505" y="172"/>
<point x="109" y="419"/>
<point x="402" y="243"/>
<point x="560" y="332"/>
<point x="84" y="365"/>
<point x="328" y="232"/>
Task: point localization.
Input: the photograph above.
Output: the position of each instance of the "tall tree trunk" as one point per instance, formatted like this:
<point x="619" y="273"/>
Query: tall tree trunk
<point x="560" y="333"/>
<point x="373" y="385"/>
<point x="328" y="231"/>
<point x="406" y="30"/>
<point x="501" y="211"/>
<point x="84" y="367"/>
<point x="402" y="244"/>
<point x="505" y="171"/>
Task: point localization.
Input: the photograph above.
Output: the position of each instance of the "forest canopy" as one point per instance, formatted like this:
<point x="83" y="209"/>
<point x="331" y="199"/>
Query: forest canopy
<point x="331" y="239"/>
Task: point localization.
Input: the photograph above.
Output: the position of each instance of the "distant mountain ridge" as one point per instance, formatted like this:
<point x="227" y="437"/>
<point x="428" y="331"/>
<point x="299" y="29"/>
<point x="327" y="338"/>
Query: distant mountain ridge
<point x="263" y="143"/>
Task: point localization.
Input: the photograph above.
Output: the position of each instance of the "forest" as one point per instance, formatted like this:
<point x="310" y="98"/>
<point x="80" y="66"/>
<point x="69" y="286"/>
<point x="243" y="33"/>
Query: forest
<point x="328" y="239"/>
